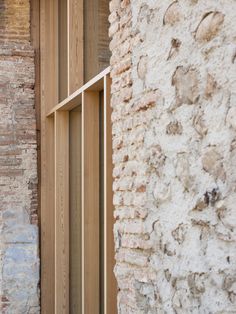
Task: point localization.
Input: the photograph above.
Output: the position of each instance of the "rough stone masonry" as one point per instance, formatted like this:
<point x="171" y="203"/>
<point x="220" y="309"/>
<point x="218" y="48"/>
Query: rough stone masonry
<point x="19" y="263"/>
<point x="173" y="67"/>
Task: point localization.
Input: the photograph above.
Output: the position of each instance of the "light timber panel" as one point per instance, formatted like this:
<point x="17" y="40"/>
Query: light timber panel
<point x="47" y="217"/>
<point x="64" y="77"/>
<point x="95" y="84"/>
<point x="75" y="44"/>
<point x="71" y="48"/>
<point x="90" y="201"/>
<point x="48" y="98"/>
<point x="87" y="276"/>
<point x="62" y="212"/>
<point x="75" y="212"/>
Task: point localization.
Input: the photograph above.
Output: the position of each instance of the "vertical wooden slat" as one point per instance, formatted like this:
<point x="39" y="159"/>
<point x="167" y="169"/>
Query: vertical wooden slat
<point x="75" y="211"/>
<point x="109" y="262"/>
<point x="71" y="47"/>
<point x="62" y="212"/>
<point x="75" y="59"/>
<point x="47" y="217"/>
<point x="90" y="201"/>
<point x="75" y="45"/>
<point x="49" y="97"/>
<point x="49" y="53"/>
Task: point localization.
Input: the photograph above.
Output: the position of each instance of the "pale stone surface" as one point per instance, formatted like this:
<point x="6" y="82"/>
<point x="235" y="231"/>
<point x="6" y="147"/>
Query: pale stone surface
<point x="174" y="141"/>
<point x="209" y="26"/>
<point x="19" y="245"/>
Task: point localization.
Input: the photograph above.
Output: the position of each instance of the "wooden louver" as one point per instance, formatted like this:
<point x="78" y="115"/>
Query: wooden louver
<point x="94" y="276"/>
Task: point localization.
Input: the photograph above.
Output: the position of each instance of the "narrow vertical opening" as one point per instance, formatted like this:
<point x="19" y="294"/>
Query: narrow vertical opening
<point x="96" y="39"/>
<point x="91" y="202"/>
<point x="62" y="49"/>
<point x="101" y="199"/>
<point x="75" y="260"/>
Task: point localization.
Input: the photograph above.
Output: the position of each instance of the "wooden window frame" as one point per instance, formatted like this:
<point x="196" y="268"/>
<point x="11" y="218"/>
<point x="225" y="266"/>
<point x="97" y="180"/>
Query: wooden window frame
<point x="54" y="122"/>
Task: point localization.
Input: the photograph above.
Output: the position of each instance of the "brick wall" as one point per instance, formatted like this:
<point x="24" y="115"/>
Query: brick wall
<point x="174" y="140"/>
<point x="19" y="263"/>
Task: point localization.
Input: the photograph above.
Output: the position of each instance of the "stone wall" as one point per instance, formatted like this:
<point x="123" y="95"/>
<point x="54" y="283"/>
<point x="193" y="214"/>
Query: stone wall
<point x="174" y="140"/>
<point x="19" y="263"/>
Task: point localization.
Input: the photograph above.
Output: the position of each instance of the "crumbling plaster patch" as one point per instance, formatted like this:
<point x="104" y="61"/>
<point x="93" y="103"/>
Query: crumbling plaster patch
<point x="173" y="99"/>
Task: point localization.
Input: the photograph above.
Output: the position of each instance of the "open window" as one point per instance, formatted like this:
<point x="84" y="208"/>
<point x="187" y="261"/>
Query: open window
<point x="77" y="255"/>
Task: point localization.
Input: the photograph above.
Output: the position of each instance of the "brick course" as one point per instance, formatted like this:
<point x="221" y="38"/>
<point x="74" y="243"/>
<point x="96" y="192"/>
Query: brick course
<point x="19" y="264"/>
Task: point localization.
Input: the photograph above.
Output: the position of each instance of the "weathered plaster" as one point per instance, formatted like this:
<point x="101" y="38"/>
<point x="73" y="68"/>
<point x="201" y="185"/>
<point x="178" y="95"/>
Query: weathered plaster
<point x="174" y="141"/>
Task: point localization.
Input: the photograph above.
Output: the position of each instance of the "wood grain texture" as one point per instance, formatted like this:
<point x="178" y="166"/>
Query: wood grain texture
<point x="90" y="201"/>
<point x="62" y="212"/>
<point x="47" y="217"/>
<point x="95" y="84"/>
<point x="75" y="45"/>
<point x="49" y="97"/>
